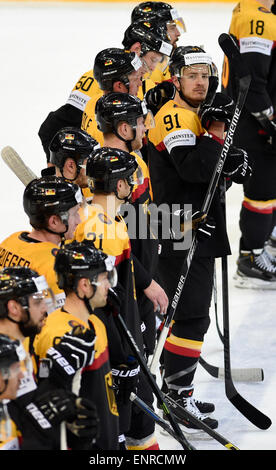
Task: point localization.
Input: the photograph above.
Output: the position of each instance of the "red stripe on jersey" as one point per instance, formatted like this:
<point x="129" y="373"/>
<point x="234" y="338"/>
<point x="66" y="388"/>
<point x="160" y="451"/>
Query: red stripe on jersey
<point x="160" y="147"/>
<point x="141" y="189"/>
<point x="98" y="361"/>
<point x="180" y="351"/>
<point x="123" y="256"/>
<point x="249" y="207"/>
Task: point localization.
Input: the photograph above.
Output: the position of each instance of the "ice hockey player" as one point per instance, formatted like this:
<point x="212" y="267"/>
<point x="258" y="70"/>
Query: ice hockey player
<point x="149" y="39"/>
<point x="69" y="150"/>
<point x="124" y="119"/>
<point x="37" y="411"/>
<point x="163" y="13"/>
<point x="52" y="206"/>
<point x="114" y="70"/>
<point x="86" y="274"/>
<point x="110" y="172"/>
<point x="253" y="27"/>
<point x="183" y="152"/>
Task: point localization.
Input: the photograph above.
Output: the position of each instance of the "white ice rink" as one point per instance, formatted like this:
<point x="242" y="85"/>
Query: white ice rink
<point x="44" y="48"/>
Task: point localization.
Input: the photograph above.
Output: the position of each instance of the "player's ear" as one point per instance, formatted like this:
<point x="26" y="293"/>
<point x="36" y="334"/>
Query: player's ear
<point x="136" y="47"/>
<point x="14" y="310"/>
<point x="175" y="81"/>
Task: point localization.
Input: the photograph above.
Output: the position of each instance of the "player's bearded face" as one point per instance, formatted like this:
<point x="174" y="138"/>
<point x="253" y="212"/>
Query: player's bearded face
<point x="194" y="83"/>
<point x="37" y="314"/>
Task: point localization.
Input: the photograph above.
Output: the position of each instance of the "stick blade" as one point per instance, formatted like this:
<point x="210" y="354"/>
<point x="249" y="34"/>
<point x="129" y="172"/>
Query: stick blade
<point x="253" y="415"/>
<point x="253" y="374"/>
<point x="231" y="50"/>
<point x="16" y="164"/>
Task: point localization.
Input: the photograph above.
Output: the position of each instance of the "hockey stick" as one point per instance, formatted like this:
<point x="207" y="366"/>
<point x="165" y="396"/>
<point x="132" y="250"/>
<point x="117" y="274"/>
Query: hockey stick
<point x="157" y="392"/>
<point x="162" y="423"/>
<point x="186" y="416"/>
<point x="253" y="374"/>
<point x="238" y="375"/>
<point x="16" y="164"/>
<point x="216" y="305"/>
<point x="230" y="49"/>
<point x="254" y="415"/>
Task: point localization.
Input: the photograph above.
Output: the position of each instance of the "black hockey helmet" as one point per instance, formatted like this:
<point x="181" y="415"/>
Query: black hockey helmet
<point x="151" y="34"/>
<point x="17" y="283"/>
<point x="47" y="196"/>
<point x="161" y="11"/>
<point x="113" y="108"/>
<point x="106" y="166"/>
<point x="114" y="64"/>
<point x="81" y="259"/>
<point x="11" y="350"/>
<point x="187" y="56"/>
<point x="71" y="142"/>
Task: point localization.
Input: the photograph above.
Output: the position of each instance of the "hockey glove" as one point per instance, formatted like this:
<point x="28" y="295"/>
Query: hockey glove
<point x="125" y="380"/>
<point x="221" y="110"/>
<point x="56" y="406"/>
<point x="268" y="125"/>
<point x="236" y="165"/>
<point x="205" y="229"/>
<point x="74" y="351"/>
<point x="85" y="422"/>
<point x="159" y="95"/>
<point x="188" y="220"/>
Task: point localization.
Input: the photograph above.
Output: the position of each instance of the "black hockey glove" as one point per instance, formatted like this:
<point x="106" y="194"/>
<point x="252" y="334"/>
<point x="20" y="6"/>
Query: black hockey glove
<point x="205" y="226"/>
<point x="188" y="220"/>
<point x="71" y="352"/>
<point x="86" y="421"/>
<point x="236" y="165"/>
<point x="221" y="109"/>
<point x="56" y="406"/>
<point x="268" y="126"/>
<point x="125" y="379"/>
<point x="159" y="95"/>
<point x="60" y="405"/>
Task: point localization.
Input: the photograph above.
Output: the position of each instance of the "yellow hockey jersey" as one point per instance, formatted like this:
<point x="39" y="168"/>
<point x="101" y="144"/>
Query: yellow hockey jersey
<point x="19" y="249"/>
<point x="85" y="88"/>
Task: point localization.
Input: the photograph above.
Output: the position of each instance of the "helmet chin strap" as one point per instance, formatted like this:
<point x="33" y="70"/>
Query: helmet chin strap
<point x="64" y="220"/>
<point x="128" y="142"/>
<point x="22" y="324"/>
